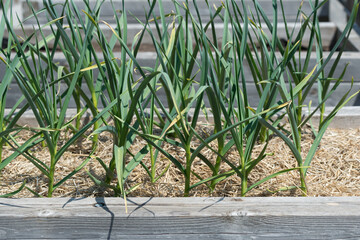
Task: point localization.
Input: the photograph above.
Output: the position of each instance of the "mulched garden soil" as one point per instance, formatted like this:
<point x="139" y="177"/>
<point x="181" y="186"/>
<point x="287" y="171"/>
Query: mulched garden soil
<point x="335" y="170"/>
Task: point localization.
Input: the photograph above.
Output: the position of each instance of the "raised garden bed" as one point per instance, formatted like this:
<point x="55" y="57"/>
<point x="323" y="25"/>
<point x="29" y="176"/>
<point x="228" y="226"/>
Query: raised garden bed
<point x="124" y="166"/>
<point x="335" y="170"/>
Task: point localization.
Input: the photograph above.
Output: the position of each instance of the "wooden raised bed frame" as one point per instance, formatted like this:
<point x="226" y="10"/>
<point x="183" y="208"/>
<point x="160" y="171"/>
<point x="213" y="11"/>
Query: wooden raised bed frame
<point x="181" y="218"/>
<point x="194" y="218"/>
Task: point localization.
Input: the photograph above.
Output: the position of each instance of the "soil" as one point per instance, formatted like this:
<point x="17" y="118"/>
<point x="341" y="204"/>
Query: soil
<point x="334" y="171"/>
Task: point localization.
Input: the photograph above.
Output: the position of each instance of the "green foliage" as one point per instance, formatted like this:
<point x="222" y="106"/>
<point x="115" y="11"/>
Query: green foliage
<point x="199" y="72"/>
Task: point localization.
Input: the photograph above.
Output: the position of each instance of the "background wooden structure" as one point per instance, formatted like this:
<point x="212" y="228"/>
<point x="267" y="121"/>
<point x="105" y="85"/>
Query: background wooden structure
<point x="333" y="16"/>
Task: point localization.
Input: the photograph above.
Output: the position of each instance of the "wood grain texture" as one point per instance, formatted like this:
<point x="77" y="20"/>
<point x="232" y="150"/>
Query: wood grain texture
<point x="183" y="228"/>
<point x="181" y="218"/>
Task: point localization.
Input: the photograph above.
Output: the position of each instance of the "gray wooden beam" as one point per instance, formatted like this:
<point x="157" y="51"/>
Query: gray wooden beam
<point x="181" y="218"/>
<point x="347" y="117"/>
<point x="339" y="13"/>
<point x="328" y="31"/>
<point x="136" y="8"/>
<point x="148" y="59"/>
<point x="14" y="94"/>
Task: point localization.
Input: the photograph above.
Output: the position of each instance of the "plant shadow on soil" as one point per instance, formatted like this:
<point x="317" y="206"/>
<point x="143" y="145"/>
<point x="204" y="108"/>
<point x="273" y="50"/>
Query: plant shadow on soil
<point x="335" y="170"/>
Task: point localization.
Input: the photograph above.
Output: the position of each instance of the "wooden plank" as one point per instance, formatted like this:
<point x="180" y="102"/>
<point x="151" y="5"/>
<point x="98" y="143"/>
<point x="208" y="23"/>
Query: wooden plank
<point x="148" y="59"/>
<point x="347" y="117"/>
<point x="14" y="94"/>
<point x="354" y="37"/>
<point x="136" y="7"/>
<point x="328" y="31"/>
<point x="181" y="218"/>
<point x="16" y="10"/>
<point x="267" y="227"/>
<point x="339" y="12"/>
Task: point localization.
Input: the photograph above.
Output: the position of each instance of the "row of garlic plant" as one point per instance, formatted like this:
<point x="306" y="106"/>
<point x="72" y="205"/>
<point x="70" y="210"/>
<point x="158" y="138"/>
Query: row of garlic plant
<point x="183" y="43"/>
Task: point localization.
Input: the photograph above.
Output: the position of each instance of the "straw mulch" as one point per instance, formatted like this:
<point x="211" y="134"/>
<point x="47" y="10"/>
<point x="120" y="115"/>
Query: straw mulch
<point x="335" y="170"/>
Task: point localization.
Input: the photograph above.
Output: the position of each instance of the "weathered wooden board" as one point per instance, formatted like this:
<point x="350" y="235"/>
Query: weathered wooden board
<point x="236" y="228"/>
<point x="148" y="59"/>
<point x="347" y="117"/>
<point x="138" y="7"/>
<point x="14" y="95"/>
<point x="181" y="218"/>
<point x="328" y="31"/>
<point x="339" y="13"/>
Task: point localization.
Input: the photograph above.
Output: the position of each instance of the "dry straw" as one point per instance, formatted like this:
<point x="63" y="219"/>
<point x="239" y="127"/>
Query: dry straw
<point x="183" y="42"/>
